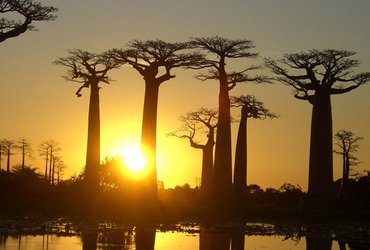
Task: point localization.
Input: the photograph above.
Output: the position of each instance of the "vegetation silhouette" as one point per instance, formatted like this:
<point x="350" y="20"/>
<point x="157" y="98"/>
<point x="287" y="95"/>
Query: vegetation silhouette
<point x="90" y="69"/>
<point x="50" y="150"/>
<point x="7" y="149"/>
<point x="347" y="144"/>
<point x="26" y="150"/>
<point x="251" y="108"/>
<point x="200" y="121"/>
<point x="324" y="73"/>
<point x="154" y="60"/>
<point x="218" y="50"/>
<point x="30" y="10"/>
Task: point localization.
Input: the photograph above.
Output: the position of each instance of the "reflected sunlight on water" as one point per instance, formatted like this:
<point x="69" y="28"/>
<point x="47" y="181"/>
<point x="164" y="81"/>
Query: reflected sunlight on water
<point x="163" y="241"/>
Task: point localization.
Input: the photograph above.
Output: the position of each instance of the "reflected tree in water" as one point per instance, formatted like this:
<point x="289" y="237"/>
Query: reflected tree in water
<point x="145" y="238"/>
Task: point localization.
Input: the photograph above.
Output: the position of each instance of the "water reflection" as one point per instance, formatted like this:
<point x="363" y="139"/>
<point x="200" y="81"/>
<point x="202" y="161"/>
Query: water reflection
<point x="146" y="238"/>
<point x="213" y="241"/>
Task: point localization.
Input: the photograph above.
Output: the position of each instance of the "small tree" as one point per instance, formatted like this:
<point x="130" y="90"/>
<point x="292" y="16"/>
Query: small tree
<point x="347" y="144"/>
<point x="26" y="150"/>
<point x="90" y="69"/>
<point x="315" y="76"/>
<point x="30" y="11"/>
<point x="219" y="51"/>
<point x="202" y="120"/>
<point x="251" y="108"/>
<point x="8" y="147"/>
<point x="49" y="149"/>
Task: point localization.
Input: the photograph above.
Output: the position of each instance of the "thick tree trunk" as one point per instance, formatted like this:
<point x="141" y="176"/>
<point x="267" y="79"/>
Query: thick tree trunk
<point x="93" y="140"/>
<point x="321" y="150"/>
<point x="240" y="169"/>
<point x="222" y="172"/>
<point x="149" y="135"/>
<point x="207" y="169"/>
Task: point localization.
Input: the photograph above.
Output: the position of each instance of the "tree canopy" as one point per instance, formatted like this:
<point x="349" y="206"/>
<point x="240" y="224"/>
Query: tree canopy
<point x="28" y="11"/>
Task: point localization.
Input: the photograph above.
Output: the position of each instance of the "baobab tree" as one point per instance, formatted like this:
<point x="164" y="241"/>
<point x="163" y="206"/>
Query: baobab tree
<point x="200" y="121"/>
<point x="29" y="11"/>
<point x="154" y="60"/>
<point x="49" y="149"/>
<point x="219" y="50"/>
<point x="347" y="143"/>
<point x="251" y="108"/>
<point x="90" y="69"/>
<point x="26" y="150"/>
<point x="315" y="76"/>
<point x="8" y="147"/>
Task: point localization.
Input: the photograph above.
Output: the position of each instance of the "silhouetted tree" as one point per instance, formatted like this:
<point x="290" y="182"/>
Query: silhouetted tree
<point x="251" y="108"/>
<point x="347" y="144"/>
<point x="60" y="167"/>
<point x="90" y="69"/>
<point x="30" y="10"/>
<point x="2" y="151"/>
<point x="8" y="147"/>
<point x="154" y="60"/>
<point x="202" y="120"/>
<point x="316" y="76"/>
<point x="50" y="149"/>
<point x="219" y="50"/>
<point x="25" y="148"/>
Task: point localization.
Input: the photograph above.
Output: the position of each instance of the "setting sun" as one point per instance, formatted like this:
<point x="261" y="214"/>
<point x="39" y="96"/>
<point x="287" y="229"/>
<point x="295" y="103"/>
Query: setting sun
<point x="134" y="159"/>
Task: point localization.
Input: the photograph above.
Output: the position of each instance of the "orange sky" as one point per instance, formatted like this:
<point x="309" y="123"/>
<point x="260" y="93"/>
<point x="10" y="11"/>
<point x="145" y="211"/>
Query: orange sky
<point x="36" y="103"/>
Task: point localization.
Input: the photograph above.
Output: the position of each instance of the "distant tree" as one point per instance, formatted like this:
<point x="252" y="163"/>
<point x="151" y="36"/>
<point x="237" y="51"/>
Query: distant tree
<point x="315" y="76"/>
<point x="203" y="120"/>
<point x="90" y="69"/>
<point x="30" y="11"/>
<point x="60" y="167"/>
<point x="347" y="143"/>
<point x="251" y="108"/>
<point x="219" y="51"/>
<point x="2" y="151"/>
<point x="154" y="60"/>
<point x="8" y="147"/>
<point x="49" y="149"/>
<point x="25" y="148"/>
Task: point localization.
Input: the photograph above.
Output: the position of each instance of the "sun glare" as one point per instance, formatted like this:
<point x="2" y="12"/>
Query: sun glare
<point x="134" y="159"/>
